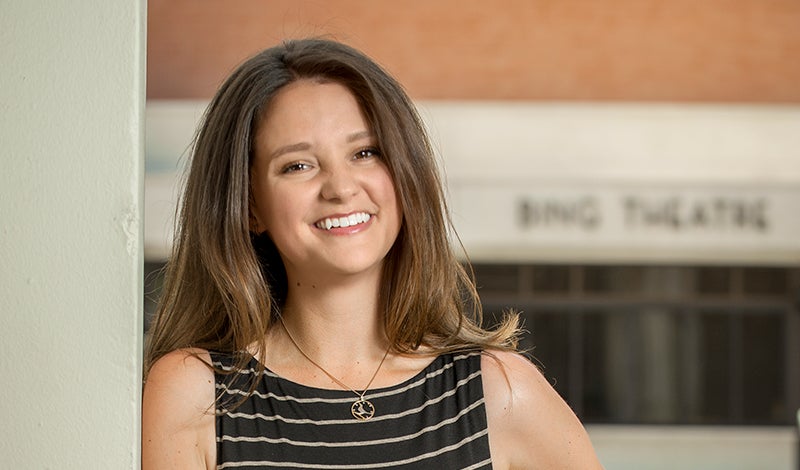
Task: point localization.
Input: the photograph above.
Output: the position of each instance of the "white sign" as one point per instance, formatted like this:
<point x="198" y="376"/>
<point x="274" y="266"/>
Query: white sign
<point x="599" y="223"/>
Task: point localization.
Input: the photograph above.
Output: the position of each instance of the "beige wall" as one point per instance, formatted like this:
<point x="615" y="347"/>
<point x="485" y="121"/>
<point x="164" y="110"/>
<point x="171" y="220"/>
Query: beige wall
<point x="71" y="127"/>
<point x="629" y="50"/>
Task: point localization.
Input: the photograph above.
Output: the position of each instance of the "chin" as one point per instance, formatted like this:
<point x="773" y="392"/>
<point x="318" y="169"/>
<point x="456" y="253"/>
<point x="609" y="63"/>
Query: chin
<point x="353" y="267"/>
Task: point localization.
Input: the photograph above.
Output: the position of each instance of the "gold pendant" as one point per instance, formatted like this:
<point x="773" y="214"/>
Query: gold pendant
<point x="362" y="409"/>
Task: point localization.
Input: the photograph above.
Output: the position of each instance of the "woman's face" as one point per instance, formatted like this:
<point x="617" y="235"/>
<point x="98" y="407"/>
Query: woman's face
<point x="321" y="188"/>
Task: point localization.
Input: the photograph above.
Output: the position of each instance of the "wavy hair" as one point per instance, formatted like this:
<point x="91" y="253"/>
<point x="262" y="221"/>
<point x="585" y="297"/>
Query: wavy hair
<point x="225" y="286"/>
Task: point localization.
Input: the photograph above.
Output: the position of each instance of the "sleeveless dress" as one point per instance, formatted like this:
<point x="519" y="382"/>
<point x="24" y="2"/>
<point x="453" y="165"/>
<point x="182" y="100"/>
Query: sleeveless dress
<point x="435" y="420"/>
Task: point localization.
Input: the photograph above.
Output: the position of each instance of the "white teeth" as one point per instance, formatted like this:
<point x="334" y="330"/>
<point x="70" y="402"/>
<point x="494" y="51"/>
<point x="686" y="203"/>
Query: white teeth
<point x="352" y="219"/>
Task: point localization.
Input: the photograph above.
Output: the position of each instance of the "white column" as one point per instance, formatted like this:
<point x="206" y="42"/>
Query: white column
<point x="71" y="147"/>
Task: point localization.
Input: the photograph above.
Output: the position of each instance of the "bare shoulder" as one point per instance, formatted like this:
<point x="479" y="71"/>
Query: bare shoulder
<point x="178" y="412"/>
<point x="530" y="425"/>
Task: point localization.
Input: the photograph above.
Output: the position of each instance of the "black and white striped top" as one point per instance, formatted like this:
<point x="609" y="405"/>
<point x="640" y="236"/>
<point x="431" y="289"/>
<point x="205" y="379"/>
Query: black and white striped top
<point x="435" y="420"/>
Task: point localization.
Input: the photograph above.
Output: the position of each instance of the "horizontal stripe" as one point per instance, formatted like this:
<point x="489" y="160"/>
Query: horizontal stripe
<point x="392" y="440"/>
<point x="415" y="459"/>
<point x="272" y="396"/>
<point x="478" y="465"/>
<point x="352" y="421"/>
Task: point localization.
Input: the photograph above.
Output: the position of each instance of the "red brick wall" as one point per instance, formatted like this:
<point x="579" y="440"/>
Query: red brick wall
<point x="629" y="50"/>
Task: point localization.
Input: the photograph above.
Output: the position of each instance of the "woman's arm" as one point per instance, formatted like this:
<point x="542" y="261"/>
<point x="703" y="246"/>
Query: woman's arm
<point x="178" y="413"/>
<point x="530" y="426"/>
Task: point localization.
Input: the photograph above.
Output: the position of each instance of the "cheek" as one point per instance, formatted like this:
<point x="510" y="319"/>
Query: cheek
<point x="390" y="194"/>
<point x="283" y="209"/>
<point x="391" y="201"/>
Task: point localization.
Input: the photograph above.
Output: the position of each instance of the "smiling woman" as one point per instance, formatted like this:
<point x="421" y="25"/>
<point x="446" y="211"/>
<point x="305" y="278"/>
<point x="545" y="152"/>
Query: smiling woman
<point x="320" y="188"/>
<point x="314" y="314"/>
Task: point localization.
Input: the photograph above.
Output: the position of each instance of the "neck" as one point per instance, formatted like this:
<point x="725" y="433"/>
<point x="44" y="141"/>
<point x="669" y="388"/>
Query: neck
<point x="336" y="327"/>
<point x="339" y="321"/>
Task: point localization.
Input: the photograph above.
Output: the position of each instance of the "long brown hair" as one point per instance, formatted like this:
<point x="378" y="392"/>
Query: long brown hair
<point x="224" y="285"/>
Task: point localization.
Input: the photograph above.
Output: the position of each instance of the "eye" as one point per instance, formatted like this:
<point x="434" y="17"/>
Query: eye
<point x="295" y="167"/>
<point x="365" y="153"/>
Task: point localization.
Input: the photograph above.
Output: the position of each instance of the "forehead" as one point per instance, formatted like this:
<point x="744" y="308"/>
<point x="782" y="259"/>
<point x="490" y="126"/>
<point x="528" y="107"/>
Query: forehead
<point x="311" y="105"/>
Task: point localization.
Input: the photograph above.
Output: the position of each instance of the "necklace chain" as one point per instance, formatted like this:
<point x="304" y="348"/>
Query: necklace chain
<point x="362" y="409"/>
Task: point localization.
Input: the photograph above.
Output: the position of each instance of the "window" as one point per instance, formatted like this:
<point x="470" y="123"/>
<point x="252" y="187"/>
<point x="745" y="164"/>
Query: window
<point x="659" y="344"/>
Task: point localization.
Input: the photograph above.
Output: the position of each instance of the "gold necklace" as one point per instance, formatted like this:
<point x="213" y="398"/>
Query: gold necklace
<point x="361" y="409"/>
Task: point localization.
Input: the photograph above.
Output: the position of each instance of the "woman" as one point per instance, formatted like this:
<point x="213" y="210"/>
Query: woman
<point x="314" y="315"/>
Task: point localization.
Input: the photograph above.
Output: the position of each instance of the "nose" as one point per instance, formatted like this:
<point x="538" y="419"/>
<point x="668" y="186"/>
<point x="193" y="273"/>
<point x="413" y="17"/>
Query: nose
<point x="339" y="184"/>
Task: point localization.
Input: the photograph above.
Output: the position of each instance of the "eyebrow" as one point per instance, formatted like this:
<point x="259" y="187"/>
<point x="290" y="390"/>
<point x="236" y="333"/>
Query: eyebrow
<point x="300" y="146"/>
<point x="289" y="149"/>
<point x="359" y="135"/>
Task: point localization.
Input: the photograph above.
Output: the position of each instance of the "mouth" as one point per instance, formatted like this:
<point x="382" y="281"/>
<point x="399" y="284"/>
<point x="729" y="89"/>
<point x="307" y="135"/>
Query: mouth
<point x="345" y="221"/>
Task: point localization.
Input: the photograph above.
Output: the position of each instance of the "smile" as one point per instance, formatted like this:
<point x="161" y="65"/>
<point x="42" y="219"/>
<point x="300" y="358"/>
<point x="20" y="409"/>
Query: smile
<point x="346" y="221"/>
